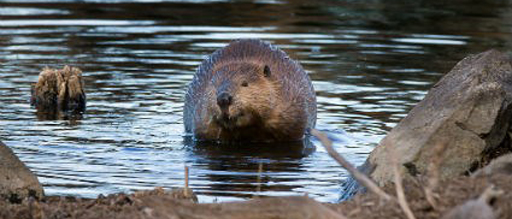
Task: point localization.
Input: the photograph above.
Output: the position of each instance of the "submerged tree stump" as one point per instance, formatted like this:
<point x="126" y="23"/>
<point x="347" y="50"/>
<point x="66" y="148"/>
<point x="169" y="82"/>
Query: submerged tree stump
<point x="59" y="90"/>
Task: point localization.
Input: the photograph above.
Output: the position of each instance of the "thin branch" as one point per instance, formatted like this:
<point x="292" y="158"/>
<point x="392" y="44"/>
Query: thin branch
<point x="260" y="170"/>
<point x="402" y="201"/>
<point x="433" y="173"/>
<point x="358" y="175"/>
<point x="186" y="181"/>
<point x="393" y="156"/>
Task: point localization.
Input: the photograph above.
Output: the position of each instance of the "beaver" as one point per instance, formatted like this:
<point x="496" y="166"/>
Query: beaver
<point x="249" y="91"/>
<point x="59" y="90"/>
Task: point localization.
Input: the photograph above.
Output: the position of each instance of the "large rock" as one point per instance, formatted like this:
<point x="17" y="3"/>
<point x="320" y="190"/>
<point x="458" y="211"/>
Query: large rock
<point x="16" y="180"/>
<point x="468" y="111"/>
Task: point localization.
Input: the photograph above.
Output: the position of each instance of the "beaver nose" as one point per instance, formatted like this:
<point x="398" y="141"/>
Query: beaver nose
<point x="224" y="100"/>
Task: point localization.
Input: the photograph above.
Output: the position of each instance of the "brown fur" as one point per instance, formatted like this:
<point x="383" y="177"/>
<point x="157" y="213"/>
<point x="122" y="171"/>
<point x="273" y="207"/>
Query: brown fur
<point x="278" y="102"/>
<point x="60" y="90"/>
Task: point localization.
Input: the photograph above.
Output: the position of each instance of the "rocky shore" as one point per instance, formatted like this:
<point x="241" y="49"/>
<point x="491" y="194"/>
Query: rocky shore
<point x="451" y="157"/>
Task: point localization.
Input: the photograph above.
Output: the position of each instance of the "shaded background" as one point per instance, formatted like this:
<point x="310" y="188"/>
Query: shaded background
<point x="370" y="62"/>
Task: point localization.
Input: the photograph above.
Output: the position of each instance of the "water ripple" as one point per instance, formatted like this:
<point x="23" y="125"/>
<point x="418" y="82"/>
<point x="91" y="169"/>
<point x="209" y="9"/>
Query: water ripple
<point x="370" y="64"/>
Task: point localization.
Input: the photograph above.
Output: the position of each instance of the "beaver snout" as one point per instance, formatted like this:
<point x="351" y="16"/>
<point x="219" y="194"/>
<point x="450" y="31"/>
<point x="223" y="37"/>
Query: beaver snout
<point x="224" y="100"/>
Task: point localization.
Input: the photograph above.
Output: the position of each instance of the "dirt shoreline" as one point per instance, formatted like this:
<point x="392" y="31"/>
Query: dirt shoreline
<point x="174" y="204"/>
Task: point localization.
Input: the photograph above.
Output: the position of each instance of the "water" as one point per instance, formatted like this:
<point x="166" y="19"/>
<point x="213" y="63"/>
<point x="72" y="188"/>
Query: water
<point x="370" y="61"/>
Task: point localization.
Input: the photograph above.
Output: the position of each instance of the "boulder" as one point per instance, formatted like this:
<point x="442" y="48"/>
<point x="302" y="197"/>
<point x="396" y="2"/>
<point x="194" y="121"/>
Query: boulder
<point x="16" y="180"/>
<point x="467" y="112"/>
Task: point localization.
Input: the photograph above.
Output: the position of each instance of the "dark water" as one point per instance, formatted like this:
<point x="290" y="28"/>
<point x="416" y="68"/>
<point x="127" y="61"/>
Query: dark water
<point x="370" y="61"/>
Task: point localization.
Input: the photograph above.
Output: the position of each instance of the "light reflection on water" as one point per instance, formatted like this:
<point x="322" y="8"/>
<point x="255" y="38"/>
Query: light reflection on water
<point x="370" y="63"/>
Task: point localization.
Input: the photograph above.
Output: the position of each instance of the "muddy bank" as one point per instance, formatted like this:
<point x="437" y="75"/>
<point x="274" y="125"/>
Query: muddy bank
<point x="159" y="204"/>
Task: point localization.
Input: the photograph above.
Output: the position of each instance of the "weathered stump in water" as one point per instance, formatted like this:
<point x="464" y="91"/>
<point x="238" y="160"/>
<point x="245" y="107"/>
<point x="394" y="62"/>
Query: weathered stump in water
<point x="59" y="90"/>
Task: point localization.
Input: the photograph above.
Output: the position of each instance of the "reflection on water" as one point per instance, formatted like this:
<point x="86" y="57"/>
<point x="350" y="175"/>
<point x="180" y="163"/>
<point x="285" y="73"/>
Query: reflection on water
<point x="370" y="62"/>
<point x="233" y="169"/>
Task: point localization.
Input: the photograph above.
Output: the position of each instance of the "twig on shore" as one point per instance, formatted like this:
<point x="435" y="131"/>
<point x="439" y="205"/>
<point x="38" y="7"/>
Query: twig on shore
<point x="433" y="173"/>
<point x="402" y="201"/>
<point x="358" y="175"/>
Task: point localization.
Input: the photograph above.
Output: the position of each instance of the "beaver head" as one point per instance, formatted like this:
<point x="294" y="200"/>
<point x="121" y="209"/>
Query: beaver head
<point x="243" y="95"/>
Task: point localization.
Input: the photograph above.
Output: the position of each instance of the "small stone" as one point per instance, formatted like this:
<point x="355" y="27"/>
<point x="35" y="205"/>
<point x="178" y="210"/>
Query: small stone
<point x="475" y="209"/>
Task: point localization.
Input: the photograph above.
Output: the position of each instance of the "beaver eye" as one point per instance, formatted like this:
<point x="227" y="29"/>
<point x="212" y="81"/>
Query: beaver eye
<point x="245" y="84"/>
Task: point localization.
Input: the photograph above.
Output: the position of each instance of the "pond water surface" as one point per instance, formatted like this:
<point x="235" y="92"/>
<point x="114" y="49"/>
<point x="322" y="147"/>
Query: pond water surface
<point x="370" y="62"/>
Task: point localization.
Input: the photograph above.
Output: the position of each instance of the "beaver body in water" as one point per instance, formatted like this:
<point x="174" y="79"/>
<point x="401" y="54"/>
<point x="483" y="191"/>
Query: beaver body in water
<point x="250" y="91"/>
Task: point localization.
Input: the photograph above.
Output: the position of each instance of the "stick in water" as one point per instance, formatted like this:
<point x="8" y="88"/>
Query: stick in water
<point x="186" y="181"/>
<point x="260" y="169"/>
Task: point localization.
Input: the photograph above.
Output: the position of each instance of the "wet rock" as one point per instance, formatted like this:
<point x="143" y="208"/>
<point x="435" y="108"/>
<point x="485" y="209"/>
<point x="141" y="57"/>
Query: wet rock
<point x="468" y="111"/>
<point x="59" y="90"/>
<point x="16" y="180"/>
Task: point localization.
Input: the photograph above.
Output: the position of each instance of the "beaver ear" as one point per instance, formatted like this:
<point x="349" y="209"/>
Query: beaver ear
<point x="266" y="71"/>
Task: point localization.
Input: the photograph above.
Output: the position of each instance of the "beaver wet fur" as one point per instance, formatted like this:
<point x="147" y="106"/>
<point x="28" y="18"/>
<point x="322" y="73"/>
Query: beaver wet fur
<point x="250" y="91"/>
